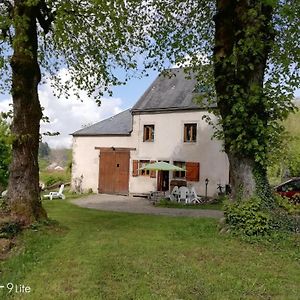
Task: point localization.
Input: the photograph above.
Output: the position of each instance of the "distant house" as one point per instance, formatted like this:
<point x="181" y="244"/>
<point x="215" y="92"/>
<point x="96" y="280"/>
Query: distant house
<point x="59" y="168"/>
<point x="164" y="125"/>
<point x="54" y="167"/>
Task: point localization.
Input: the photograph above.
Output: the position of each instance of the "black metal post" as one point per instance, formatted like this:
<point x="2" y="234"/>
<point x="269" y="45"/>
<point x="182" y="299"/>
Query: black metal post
<point x="206" y="184"/>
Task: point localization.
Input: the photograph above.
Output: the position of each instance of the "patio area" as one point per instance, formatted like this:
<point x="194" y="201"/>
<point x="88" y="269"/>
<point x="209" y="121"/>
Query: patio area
<point x="139" y="205"/>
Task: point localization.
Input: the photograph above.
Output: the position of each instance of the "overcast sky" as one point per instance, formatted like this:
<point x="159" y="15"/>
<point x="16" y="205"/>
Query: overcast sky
<point x="69" y="115"/>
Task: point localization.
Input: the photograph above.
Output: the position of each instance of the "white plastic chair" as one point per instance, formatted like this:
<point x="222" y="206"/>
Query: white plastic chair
<point x="58" y="194"/>
<point x="194" y="198"/>
<point x="174" y="194"/>
<point x="184" y="194"/>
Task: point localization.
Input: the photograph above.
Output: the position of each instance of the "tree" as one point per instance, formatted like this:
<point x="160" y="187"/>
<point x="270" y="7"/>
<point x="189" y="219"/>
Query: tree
<point x="5" y="153"/>
<point x="92" y="39"/>
<point x="44" y="150"/>
<point x="246" y="56"/>
<point x="245" y="53"/>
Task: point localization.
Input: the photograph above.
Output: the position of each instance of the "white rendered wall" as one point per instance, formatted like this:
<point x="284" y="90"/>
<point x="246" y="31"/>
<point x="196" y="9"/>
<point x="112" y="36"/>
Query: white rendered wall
<point x="86" y="157"/>
<point x="168" y="145"/>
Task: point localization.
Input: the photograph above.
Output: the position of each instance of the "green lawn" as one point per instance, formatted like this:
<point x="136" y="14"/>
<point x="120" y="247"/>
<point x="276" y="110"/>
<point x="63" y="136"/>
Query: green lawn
<point x="103" y="255"/>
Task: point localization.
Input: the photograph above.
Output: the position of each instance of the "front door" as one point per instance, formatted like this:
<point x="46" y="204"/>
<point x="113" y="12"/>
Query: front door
<point x="163" y="181"/>
<point x="114" y="172"/>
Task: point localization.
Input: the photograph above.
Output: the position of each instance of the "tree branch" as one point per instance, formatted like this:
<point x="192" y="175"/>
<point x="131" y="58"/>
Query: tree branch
<point x="4" y="31"/>
<point x="45" y="16"/>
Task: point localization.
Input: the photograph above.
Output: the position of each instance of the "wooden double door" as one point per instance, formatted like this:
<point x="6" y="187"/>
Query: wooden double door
<point x="114" y="172"/>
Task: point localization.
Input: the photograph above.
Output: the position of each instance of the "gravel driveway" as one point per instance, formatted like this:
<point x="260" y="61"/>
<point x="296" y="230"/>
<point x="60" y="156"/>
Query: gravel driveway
<point x="141" y="206"/>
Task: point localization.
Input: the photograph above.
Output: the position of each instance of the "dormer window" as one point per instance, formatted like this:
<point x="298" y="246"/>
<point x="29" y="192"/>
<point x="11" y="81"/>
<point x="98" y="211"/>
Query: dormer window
<point x="148" y="133"/>
<point x="190" y="133"/>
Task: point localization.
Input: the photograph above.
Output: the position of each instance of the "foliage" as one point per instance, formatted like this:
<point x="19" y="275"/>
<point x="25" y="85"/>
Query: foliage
<point x="50" y="178"/>
<point x="251" y="218"/>
<point x="44" y="150"/>
<point x="284" y="221"/>
<point x="286" y="161"/>
<point x="245" y="54"/>
<point x="248" y="218"/>
<point x="78" y="45"/>
<point x="293" y="160"/>
<point x="5" y="153"/>
<point x="288" y="205"/>
<point x="259" y="57"/>
<point x="74" y="36"/>
<point x="69" y="161"/>
<point x="43" y="164"/>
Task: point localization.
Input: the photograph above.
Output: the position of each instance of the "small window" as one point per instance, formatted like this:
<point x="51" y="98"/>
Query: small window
<point x="148" y="133"/>
<point x="190" y="132"/>
<point x="142" y="163"/>
<point x="179" y="174"/>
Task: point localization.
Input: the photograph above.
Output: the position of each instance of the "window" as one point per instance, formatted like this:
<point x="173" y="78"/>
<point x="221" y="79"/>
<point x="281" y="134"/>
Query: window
<point x="190" y="132"/>
<point x="148" y="133"/>
<point x="142" y="163"/>
<point x="179" y="174"/>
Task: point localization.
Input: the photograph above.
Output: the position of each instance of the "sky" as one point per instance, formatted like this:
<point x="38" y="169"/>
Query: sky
<point x="69" y="115"/>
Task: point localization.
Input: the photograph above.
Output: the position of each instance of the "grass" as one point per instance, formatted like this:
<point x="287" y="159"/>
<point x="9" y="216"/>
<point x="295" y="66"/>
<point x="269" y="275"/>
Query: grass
<point x="104" y="255"/>
<point x="168" y="203"/>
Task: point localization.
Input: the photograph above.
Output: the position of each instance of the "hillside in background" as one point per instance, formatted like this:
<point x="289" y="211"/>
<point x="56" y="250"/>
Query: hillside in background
<point x="48" y="156"/>
<point x="289" y="164"/>
<point x="55" y="165"/>
<point x="292" y="124"/>
<point x="60" y="156"/>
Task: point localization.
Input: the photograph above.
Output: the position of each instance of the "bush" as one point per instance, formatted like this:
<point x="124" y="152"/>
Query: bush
<point x="50" y="179"/>
<point x="284" y="221"/>
<point x="290" y="206"/>
<point x="5" y="153"/>
<point x="248" y="218"/>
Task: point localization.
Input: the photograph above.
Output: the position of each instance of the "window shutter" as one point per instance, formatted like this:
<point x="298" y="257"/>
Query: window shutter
<point x="135" y="166"/>
<point x="144" y="134"/>
<point x="192" y="171"/>
<point x="152" y="173"/>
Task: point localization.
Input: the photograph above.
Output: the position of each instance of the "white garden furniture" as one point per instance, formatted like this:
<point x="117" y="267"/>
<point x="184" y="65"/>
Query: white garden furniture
<point x="58" y="194"/>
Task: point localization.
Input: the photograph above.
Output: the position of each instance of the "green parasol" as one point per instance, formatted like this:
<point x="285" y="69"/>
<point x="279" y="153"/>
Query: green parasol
<point x="161" y="166"/>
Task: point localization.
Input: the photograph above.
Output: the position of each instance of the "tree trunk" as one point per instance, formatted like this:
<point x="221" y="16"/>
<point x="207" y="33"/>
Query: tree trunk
<point x="239" y="65"/>
<point x="241" y="176"/>
<point x="23" y="189"/>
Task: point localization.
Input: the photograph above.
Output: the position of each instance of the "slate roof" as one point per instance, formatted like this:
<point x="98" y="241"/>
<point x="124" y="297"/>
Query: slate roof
<point x="120" y="124"/>
<point x="173" y="90"/>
